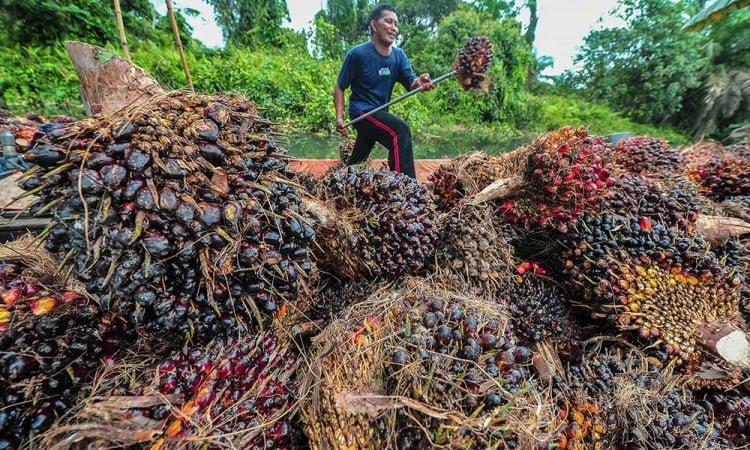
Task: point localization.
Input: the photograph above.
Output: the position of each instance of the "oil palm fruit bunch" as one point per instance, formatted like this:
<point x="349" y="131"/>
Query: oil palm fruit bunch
<point x="419" y="367"/>
<point x="464" y="176"/>
<point x="538" y="309"/>
<point x="645" y="277"/>
<point x="46" y="360"/>
<point x="473" y="249"/>
<point x="672" y="206"/>
<point x="724" y="174"/>
<point x="334" y="295"/>
<point x="637" y="405"/>
<point x="175" y="213"/>
<point x="473" y="61"/>
<point x="566" y="175"/>
<point x="645" y="155"/>
<point x="386" y="224"/>
<point x="236" y="392"/>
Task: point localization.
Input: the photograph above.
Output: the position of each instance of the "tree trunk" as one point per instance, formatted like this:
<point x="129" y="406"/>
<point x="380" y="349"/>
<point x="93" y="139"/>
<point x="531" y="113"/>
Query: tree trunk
<point x="178" y="42"/>
<point x="109" y="82"/>
<point x="121" y="28"/>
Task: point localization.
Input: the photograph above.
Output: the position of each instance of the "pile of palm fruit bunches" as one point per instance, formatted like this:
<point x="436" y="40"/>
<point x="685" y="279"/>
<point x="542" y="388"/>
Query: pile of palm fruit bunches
<point x="568" y="294"/>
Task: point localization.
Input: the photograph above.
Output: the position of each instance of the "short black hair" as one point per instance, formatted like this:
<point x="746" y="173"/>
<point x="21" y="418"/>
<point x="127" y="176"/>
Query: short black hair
<point x="377" y="13"/>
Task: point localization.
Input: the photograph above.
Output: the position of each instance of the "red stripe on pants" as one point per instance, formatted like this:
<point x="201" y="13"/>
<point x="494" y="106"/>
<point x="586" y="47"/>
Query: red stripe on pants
<point x="390" y="131"/>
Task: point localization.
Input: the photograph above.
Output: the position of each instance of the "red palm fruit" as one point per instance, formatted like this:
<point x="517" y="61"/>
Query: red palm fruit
<point x="43" y="305"/>
<point x="12" y="295"/>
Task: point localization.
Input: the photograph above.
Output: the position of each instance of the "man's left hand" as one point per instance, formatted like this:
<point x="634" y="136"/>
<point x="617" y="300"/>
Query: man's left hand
<point x="425" y="82"/>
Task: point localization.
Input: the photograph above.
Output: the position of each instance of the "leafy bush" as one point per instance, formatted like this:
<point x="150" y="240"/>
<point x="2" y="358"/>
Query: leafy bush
<point x="40" y="80"/>
<point x="555" y="111"/>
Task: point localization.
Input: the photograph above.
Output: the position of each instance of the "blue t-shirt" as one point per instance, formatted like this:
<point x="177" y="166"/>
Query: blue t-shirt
<point x="372" y="76"/>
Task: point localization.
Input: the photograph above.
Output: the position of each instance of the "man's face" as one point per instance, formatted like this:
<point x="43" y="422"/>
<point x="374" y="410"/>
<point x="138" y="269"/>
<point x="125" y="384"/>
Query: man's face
<point x="385" y="29"/>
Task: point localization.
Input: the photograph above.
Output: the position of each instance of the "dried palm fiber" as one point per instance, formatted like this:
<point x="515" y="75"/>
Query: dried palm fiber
<point x="737" y="206"/>
<point x="721" y="172"/>
<point x="643" y="276"/>
<point x="382" y="224"/>
<point x="37" y="264"/>
<point x="176" y="212"/>
<point x="565" y="175"/>
<point x="631" y="402"/>
<point x="235" y="392"/>
<point x="421" y="367"/>
<point x="47" y="359"/>
<point x="468" y="174"/>
<point x="474" y="249"/>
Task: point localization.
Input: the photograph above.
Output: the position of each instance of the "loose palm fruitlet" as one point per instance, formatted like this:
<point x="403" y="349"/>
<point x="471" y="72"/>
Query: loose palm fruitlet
<point x="566" y="175"/>
<point x="175" y="213"/>
<point x="417" y="368"/>
<point x="637" y="405"/>
<point x="46" y="360"/>
<point x="236" y="393"/>
<point x="721" y="172"/>
<point x="473" y="61"/>
<point x="650" y="279"/>
<point x="644" y="155"/>
<point x="386" y="226"/>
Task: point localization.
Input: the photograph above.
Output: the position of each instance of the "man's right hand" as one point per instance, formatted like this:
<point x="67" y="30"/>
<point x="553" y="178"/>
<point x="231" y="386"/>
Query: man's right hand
<point x="341" y="127"/>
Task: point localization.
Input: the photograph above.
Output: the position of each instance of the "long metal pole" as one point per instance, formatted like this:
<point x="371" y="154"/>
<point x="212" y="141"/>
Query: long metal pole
<point x="396" y="100"/>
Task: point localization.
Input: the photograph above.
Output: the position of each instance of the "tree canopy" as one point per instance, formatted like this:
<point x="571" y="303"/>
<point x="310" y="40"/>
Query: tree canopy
<point x="646" y="67"/>
<point x="251" y="24"/>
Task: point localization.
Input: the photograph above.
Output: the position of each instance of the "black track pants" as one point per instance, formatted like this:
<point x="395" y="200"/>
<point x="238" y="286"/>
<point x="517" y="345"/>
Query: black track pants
<point x="391" y="132"/>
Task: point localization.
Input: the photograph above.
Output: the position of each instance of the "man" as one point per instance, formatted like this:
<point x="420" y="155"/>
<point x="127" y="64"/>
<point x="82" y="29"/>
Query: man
<point x="371" y="69"/>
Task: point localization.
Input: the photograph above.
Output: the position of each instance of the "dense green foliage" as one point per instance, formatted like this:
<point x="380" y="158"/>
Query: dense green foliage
<point x="648" y="70"/>
<point x="645" y="68"/>
<point x="656" y="72"/>
<point x="42" y="22"/>
<point x="252" y="24"/>
<point x="723" y="99"/>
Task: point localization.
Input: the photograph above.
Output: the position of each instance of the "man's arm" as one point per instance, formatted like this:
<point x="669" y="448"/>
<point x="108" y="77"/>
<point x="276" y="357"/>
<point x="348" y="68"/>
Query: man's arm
<point x="338" y="104"/>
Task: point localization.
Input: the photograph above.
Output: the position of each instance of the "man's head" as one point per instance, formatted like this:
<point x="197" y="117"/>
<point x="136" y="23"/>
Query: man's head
<point x="384" y="24"/>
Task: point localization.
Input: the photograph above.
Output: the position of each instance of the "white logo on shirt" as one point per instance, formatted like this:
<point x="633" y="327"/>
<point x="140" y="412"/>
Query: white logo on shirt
<point x="384" y="71"/>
